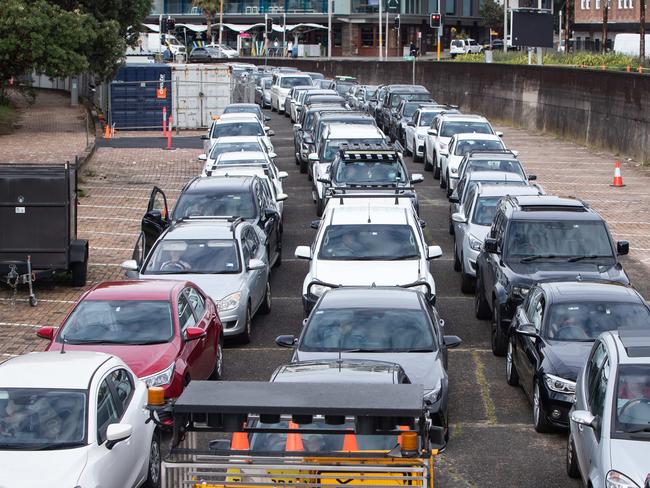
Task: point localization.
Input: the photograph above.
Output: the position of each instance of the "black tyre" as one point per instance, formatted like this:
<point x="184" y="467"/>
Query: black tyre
<point x="247" y="334"/>
<point x="443" y="183"/>
<point x="79" y="272"/>
<point x="436" y="169"/>
<point x="467" y="284"/>
<point x="540" y="422"/>
<point x="153" y="471"/>
<point x="572" y="468"/>
<point x="499" y="338"/>
<point x="217" y="372"/>
<point x="407" y="152"/>
<point x="456" y="259"/>
<point x="265" y="308"/>
<point x="512" y="376"/>
<point x="278" y="259"/>
<point x="481" y="306"/>
<point x="303" y="166"/>
<point x="320" y="206"/>
<point x="427" y="164"/>
<point x="451" y="226"/>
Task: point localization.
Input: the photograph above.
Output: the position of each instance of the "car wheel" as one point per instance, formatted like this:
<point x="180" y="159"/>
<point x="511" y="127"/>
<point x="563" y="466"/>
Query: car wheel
<point x="427" y="164"/>
<point x="265" y="308"/>
<point x="217" y="372"/>
<point x="572" y="468"/>
<point x="416" y="158"/>
<point x="303" y="166"/>
<point x="449" y="189"/>
<point x="436" y="168"/>
<point x="320" y="206"/>
<point x="451" y="227"/>
<point x="153" y="471"/>
<point x="443" y="182"/>
<point x="481" y="307"/>
<point x="456" y="259"/>
<point x="539" y="418"/>
<point x="467" y="285"/>
<point x="512" y="377"/>
<point x="407" y="151"/>
<point x="499" y="339"/>
<point x="278" y="259"/>
<point x="272" y="106"/>
<point x="247" y="334"/>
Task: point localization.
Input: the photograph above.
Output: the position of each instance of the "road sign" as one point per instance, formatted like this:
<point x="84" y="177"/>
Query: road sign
<point x="392" y="6"/>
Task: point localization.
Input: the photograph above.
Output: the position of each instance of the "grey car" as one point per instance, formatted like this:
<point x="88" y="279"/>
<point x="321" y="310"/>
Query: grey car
<point x="226" y="257"/>
<point x="382" y="324"/>
<point x="609" y="439"/>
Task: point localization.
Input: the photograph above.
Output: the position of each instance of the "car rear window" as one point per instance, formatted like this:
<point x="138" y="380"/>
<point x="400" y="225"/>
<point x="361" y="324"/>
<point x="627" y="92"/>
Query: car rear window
<point x="291" y="81"/>
<point x="216" y="203"/>
<point x="451" y="128"/>
<point x="233" y="129"/>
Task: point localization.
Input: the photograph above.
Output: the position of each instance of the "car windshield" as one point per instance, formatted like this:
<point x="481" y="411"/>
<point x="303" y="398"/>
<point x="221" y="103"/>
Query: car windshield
<point x="242" y="110"/>
<point x="585" y="321"/>
<point x="267" y="82"/>
<point x="633" y="400"/>
<point x="233" y="129"/>
<point x="503" y="165"/>
<point x="291" y="81"/>
<point x="119" y="321"/>
<point x="468" y="145"/>
<point x="484" y="210"/>
<point x="194" y="256"/>
<point x="226" y="147"/>
<point x="409" y="109"/>
<point x="396" y="98"/>
<point x="561" y="239"/>
<point x="370" y="173"/>
<point x="372" y="329"/>
<point x="457" y="43"/>
<point x="342" y="88"/>
<point x="369" y="242"/>
<point x="451" y="128"/>
<point x="42" y="418"/>
<point x="370" y="92"/>
<point x="241" y="162"/>
<point x="219" y="203"/>
<point x="426" y="118"/>
<point x="315" y="442"/>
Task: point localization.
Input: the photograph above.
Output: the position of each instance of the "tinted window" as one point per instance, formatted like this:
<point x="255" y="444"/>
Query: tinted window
<point x="194" y="256"/>
<point x="381" y="330"/>
<point x="484" y="210"/>
<point x="291" y="81"/>
<point x="185" y="315"/>
<point x="633" y="399"/>
<point x="120" y="321"/>
<point x="232" y="129"/>
<point x="364" y="173"/>
<point x="197" y="302"/>
<point x="226" y="147"/>
<point x="597" y="397"/>
<point x="409" y="109"/>
<point x="559" y="239"/>
<point x="123" y="384"/>
<point x="369" y="242"/>
<point x="396" y="98"/>
<point x="450" y="128"/>
<point x="584" y="321"/>
<point x="427" y="117"/>
<point x="505" y="165"/>
<point x="217" y="203"/>
<point x="466" y="146"/>
<point x="107" y="410"/>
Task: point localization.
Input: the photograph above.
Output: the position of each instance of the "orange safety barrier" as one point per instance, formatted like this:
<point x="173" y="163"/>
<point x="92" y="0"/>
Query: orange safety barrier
<point x="107" y="132"/>
<point x="399" y="438"/>
<point x="294" y="440"/>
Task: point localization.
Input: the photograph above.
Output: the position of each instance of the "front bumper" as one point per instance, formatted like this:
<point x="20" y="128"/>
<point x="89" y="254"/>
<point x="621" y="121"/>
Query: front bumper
<point x="469" y="260"/>
<point x="419" y="148"/>
<point x="234" y="321"/>
<point x="555" y="406"/>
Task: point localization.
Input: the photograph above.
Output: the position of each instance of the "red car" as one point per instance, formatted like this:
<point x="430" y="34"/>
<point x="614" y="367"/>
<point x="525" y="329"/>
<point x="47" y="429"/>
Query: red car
<point x="167" y="332"/>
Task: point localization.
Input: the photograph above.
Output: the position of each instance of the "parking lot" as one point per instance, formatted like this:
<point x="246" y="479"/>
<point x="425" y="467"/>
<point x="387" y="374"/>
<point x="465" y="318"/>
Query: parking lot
<point x="492" y="441"/>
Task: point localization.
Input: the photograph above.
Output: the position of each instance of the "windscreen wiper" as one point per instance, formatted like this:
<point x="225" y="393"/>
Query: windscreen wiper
<point x="536" y="257"/>
<point x="573" y="259"/>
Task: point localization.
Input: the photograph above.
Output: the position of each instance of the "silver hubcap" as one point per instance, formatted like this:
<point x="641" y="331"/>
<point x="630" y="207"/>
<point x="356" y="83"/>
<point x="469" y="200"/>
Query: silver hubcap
<point x="509" y="360"/>
<point x="536" y="405"/>
<point x="154" y="462"/>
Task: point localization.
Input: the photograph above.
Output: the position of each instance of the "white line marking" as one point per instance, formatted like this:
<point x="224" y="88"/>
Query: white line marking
<point x="17" y="324"/>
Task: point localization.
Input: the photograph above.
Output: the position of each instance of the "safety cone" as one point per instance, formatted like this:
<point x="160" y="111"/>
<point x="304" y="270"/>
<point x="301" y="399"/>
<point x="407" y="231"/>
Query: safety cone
<point x="618" y="179"/>
<point x="294" y="440"/>
<point x="107" y="132"/>
<point x="350" y="443"/>
<point x="239" y="441"/>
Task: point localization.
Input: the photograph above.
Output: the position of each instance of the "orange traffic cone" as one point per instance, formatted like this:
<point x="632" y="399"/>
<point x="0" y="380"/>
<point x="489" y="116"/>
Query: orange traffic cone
<point x="294" y="440"/>
<point x="107" y="132"/>
<point x="618" y="179"/>
<point x="399" y="438"/>
<point x="239" y="441"/>
<point x="350" y="443"/>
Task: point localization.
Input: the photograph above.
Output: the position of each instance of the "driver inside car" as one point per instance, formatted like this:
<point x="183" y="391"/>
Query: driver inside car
<point x="175" y="263"/>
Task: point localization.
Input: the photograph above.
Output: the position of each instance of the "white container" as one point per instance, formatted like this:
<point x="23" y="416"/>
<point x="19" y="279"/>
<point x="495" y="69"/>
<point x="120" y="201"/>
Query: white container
<point x="199" y="92"/>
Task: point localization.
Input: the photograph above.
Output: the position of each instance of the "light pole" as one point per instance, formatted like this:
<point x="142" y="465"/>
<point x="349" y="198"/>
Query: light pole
<point x="439" y="32"/>
<point x="505" y="26"/>
<point x="381" y="39"/>
<point x="284" y="31"/>
<point x="386" y="41"/>
<point x="329" y="28"/>
<point x="220" y="24"/>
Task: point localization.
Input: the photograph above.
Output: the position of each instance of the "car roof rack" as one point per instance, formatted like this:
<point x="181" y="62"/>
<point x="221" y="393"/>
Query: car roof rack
<point x="491" y="151"/>
<point x="363" y="151"/>
<point x="397" y="193"/>
<point x="234" y="220"/>
<point x="549" y="203"/>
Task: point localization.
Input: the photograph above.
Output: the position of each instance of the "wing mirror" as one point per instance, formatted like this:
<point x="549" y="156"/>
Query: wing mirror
<point x="417" y="178"/>
<point x="313" y="157"/>
<point x="315" y="224"/>
<point x="269" y="213"/>
<point x="499" y="133"/>
<point x="117" y="433"/>
<point x="411" y="124"/>
<point x="286" y="341"/>
<point x="297" y="126"/>
<point x="528" y="330"/>
<point x="130" y="265"/>
<point x="432" y="132"/>
<point x="453" y="198"/>
<point x="458" y="218"/>
<point x="273" y="155"/>
<point x="46" y="333"/>
<point x="516" y="153"/>
<point x="283" y="175"/>
<point x="194" y="333"/>
<point x="452" y="341"/>
<point x="324" y="179"/>
<point x="622" y="248"/>
<point x="532" y="177"/>
<point x="203" y="157"/>
<point x="266" y="118"/>
<point x="254" y="264"/>
<point x="205" y="138"/>
<point x="281" y="197"/>
<point x="303" y="252"/>
<point x="434" y="252"/>
<point x="584" y="417"/>
<point x="490" y="245"/>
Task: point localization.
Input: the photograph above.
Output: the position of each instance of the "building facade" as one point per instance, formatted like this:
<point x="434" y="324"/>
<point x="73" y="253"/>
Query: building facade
<point x="622" y="17"/>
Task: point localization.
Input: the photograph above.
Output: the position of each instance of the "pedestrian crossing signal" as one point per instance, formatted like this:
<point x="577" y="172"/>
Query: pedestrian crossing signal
<point x="435" y="21"/>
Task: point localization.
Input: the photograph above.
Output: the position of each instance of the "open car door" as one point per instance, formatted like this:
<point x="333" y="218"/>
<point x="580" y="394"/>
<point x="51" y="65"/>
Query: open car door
<point x="155" y="221"/>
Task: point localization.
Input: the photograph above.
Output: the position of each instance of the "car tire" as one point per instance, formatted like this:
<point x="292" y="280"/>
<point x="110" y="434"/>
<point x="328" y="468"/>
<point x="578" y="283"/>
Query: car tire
<point x="499" y="338"/>
<point x="436" y="169"/>
<point x="451" y="226"/>
<point x="247" y="334"/>
<point x="467" y="285"/>
<point x="79" y="273"/>
<point x="320" y="206"/>
<point x="272" y="106"/>
<point x="443" y="183"/>
<point x="154" y="468"/>
<point x="303" y="166"/>
<point x="217" y="372"/>
<point x="265" y="308"/>
<point x="449" y="190"/>
<point x="539" y="419"/>
<point x="456" y="259"/>
<point x="572" y="468"/>
<point x="512" y="376"/>
<point x="407" y="152"/>
<point x="481" y="307"/>
<point x="278" y="259"/>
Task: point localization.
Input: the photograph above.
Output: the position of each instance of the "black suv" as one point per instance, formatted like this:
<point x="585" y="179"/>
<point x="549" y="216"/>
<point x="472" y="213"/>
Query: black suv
<point x="215" y="196"/>
<point x="540" y="238"/>
<point x="369" y="167"/>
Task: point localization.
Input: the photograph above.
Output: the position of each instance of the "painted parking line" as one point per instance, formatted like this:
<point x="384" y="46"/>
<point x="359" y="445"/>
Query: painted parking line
<point x="18" y="324"/>
<point x="119" y="219"/>
<point x="112" y="207"/>
<point x="41" y="300"/>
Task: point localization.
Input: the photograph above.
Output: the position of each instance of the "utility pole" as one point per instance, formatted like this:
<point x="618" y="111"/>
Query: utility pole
<point x="387" y="34"/>
<point x="381" y="38"/>
<point x="220" y="24"/>
<point x="505" y="26"/>
<point x="605" y="18"/>
<point x="284" y="32"/>
<point x="329" y="28"/>
<point x="642" y="31"/>
<point x="567" y="26"/>
<point x="438" y="33"/>
<point x="559" y="37"/>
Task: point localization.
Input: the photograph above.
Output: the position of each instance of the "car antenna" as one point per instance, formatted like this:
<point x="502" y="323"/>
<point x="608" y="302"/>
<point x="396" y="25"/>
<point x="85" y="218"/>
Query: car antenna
<point x="64" y="340"/>
<point x="369" y="221"/>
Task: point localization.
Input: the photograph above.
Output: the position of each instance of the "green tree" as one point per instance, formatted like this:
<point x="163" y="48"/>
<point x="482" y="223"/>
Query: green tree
<point x="492" y="14"/>
<point x="210" y="10"/>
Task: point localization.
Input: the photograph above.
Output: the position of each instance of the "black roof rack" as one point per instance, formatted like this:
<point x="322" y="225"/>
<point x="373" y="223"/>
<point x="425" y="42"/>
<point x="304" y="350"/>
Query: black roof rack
<point x="548" y="203"/>
<point x="635" y="341"/>
<point x="376" y="192"/>
<point x="491" y="151"/>
<point x="234" y="220"/>
<point x="361" y="151"/>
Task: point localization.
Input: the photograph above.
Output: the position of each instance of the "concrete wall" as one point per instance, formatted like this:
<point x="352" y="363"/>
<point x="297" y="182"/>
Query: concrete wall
<point x="605" y="110"/>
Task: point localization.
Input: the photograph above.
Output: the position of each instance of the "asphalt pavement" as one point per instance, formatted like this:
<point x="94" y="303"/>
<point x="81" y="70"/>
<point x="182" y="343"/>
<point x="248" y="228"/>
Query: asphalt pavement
<point x="493" y="442"/>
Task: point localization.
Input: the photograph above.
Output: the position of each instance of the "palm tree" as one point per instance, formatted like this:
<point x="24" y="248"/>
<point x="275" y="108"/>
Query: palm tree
<point x="210" y="9"/>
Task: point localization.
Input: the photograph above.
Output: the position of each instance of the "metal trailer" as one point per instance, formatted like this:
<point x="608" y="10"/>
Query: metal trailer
<point x="38" y="212"/>
<point x="207" y="413"/>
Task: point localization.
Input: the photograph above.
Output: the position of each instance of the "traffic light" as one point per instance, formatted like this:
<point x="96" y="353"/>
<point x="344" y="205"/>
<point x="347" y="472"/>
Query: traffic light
<point x="435" y="21"/>
<point x="397" y="22"/>
<point x="269" y="25"/>
<point x="171" y="24"/>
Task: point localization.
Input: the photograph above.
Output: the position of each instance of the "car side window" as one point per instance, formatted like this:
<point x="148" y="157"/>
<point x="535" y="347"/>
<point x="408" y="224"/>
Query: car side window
<point x="597" y="396"/>
<point x="254" y="242"/>
<point x="538" y="312"/>
<point x="596" y="360"/>
<point x="107" y="411"/>
<point x="470" y="203"/>
<point x="196" y="301"/>
<point x="266" y="195"/>
<point x="494" y="231"/>
<point x="246" y="246"/>
<point x="185" y="315"/>
<point x="533" y="301"/>
<point x="260" y="198"/>
<point x="123" y="384"/>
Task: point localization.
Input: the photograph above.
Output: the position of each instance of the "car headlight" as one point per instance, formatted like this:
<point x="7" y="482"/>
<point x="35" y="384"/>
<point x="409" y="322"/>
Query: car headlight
<point x="520" y="291"/>
<point x="475" y="243"/>
<point x="317" y="289"/>
<point x="453" y="170"/>
<point x="161" y="378"/>
<point x="619" y="480"/>
<point x="421" y="136"/>
<point x="560" y="385"/>
<point x="432" y="396"/>
<point x="229" y="303"/>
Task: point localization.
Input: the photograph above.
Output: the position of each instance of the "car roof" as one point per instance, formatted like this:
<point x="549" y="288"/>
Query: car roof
<point x="132" y="290"/>
<point x="371" y="297"/>
<point x="599" y="291"/>
<point x="551" y="207"/>
<point x="237" y="139"/>
<point x="491" y="155"/>
<point x="244" y="105"/>
<point x="503" y="190"/>
<point x="242" y="156"/>
<point x="493" y="176"/>
<point x="633" y="345"/>
<point x="200" y="228"/>
<point x="335" y="371"/>
<point x="243" y="170"/>
<point x="463" y="117"/>
<point x="345" y="131"/>
<point x="237" y="117"/>
<point x="208" y="184"/>
<point x="73" y="369"/>
<point x="292" y="74"/>
<point x="369" y="212"/>
<point x="476" y="136"/>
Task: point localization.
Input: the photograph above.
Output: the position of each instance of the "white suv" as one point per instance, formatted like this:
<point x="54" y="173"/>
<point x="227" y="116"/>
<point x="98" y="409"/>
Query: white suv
<point x="464" y="46"/>
<point x="367" y="241"/>
<point x="282" y="84"/>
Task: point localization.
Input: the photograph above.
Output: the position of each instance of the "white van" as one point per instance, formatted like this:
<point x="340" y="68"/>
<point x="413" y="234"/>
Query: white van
<point x="464" y="46"/>
<point x="629" y="44"/>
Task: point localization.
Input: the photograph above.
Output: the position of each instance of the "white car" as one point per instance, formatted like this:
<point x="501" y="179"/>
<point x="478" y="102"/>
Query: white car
<point x="236" y="143"/>
<point x="464" y="46"/>
<point x="366" y="241"/>
<point x="459" y="146"/>
<point x="442" y="129"/>
<point x="282" y="83"/>
<point x="228" y="52"/>
<point x="237" y="125"/>
<point x="415" y="131"/>
<point x="75" y="419"/>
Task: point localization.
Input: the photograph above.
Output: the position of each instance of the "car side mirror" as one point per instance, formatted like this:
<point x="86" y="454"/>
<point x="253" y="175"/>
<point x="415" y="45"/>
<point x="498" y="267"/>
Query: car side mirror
<point x="315" y="224"/>
<point x="528" y="330"/>
<point x="254" y="264"/>
<point x="499" y="133"/>
<point x="205" y="138"/>
<point x="516" y="153"/>
<point x="622" y="248"/>
<point x="490" y="245"/>
<point x="532" y="177"/>
<point x="273" y="155"/>
<point x="281" y="197"/>
<point x="270" y="132"/>
<point x="266" y="118"/>
<point x="203" y="157"/>
<point x="453" y="198"/>
<point x="324" y="179"/>
<point x="452" y="341"/>
<point x="304" y="322"/>
<point x="283" y="175"/>
<point x="286" y="341"/>
<point x="269" y="213"/>
<point x="422" y="223"/>
<point x="194" y="333"/>
<point x="46" y="333"/>
<point x="117" y="433"/>
<point x="417" y="178"/>
<point x="458" y="218"/>
<point x="303" y="252"/>
<point x="434" y="252"/>
<point x="584" y="417"/>
<point x="313" y="157"/>
<point x="297" y="126"/>
<point x="432" y="132"/>
<point x="411" y="124"/>
<point x="129" y="265"/>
